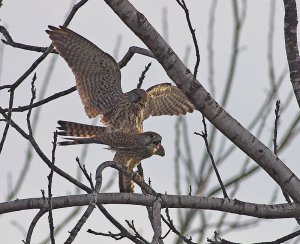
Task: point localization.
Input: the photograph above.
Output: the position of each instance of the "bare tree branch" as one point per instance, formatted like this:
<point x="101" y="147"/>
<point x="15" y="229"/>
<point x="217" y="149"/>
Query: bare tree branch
<point x="9" y="41"/>
<point x="84" y="171"/>
<point x="192" y="30"/>
<point x="169" y="223"/>
<point x="276" y="126"/>
<point x="204" y="136"/>
<point x="273" y="211"/>
<point x="131" y="51"/>
<point x="90" y="208"/>
<point x="123" y="231"/>
<point x="50" y="178"/>
<point x="183" y="78"/>
<point x="156" y="222"/>
<point x="44" y="101"/>
<point x="33" y="96"/>
<point x="143" y="75"/>
<point x="29" y="71"/>
<point x="33" y="224"/>
<point x="136" y="233"/>
<point x="43" y="156"/>
<point x="291" y="45"/>
<point x="283" y="239"/>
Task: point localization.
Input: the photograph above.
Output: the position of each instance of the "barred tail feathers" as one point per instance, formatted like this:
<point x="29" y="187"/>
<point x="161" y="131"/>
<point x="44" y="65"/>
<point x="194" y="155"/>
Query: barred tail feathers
<point x="68" y="128"/>
<point x="75" y="141"/>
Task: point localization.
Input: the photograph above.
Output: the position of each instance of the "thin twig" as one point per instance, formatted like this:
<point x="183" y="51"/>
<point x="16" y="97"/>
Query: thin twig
<point x="33" y="224"/>
<point x="136" y="233"/>
<point x="283" y="239"/>
<point x="48" y="50"/>
<point x="29" y="71"/>
<point x="131" y="51"/>
<point x="143" y="75"/>
<point x="286" y="196"/>
<point x="43" y="156"/>
<point x="90" y="208"/>
<point x="43" y="101"/>
<point x="117" y="236"/>
<point x="33" y="96"/>
<point x="8" y="119"/>
<point x="63" y="223"/>
<point x="276" y="126"/>
<point x="86" y="174"/>
<point x="33" y="125"/>
<point x="167" y="233"/>
<point x="192" y="30"/>
<point x="204" y="136"/>
<point x="169" y="223"/>
<point x="50" y="178"/>
<point x="121" y="228"/>
<point x="9" y="41"/>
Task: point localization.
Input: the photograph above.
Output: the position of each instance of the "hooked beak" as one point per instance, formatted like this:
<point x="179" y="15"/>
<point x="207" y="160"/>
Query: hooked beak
<point x="160" y="150"/>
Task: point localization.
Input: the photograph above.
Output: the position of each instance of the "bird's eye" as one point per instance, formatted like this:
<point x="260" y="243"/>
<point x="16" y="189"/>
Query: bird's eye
<point x="157" y="142"/>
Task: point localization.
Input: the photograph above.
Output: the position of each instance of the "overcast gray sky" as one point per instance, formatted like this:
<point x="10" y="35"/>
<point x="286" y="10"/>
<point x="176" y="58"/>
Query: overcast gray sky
<point x="27" y="22"/>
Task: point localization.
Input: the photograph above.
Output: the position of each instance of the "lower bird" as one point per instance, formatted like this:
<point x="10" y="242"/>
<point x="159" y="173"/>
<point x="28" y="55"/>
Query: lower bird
<point x="131" y="148"/>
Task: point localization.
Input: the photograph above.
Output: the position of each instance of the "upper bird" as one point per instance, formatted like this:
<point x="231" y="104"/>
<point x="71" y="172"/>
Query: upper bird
<point x="98" y="80"/>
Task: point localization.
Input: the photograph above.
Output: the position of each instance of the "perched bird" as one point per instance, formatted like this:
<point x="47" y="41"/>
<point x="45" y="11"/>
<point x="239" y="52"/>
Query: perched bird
<point x="98" y="80"/>
<point x="87" y="134"/>
<point x="131" y="148"/>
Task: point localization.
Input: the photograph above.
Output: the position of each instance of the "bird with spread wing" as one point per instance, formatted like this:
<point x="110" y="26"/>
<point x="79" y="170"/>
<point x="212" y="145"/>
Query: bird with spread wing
<point x="98" y="81"/>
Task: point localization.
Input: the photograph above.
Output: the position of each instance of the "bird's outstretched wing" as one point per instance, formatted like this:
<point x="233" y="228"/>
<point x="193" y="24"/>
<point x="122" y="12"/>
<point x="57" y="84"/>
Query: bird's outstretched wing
<point x="166" y="99"/>
<point x="98" y="77"/>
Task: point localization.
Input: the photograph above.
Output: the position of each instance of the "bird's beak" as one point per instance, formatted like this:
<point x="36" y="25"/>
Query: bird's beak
<point x="160" y="150"/>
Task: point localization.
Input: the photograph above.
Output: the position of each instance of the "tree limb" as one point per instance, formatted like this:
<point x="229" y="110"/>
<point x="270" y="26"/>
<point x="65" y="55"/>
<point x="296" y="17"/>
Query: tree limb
<point x="291" y="45"/>
<point x="183" y="78"/>
<point x="235" y="206"/>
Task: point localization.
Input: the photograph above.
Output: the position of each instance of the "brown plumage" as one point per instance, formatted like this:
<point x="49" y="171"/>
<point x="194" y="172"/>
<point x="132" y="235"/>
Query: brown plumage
<point x="86" y="134"/>
<point x="131" y="148"/>
<point x="98" y="80"/>
<point x="129" y="158"/>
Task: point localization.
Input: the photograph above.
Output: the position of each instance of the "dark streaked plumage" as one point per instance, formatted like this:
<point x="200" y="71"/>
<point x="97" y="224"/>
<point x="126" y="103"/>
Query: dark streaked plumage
<point x="131" y="148"/>
<point x="98" y="80"/>
<point x="86" y="134"/>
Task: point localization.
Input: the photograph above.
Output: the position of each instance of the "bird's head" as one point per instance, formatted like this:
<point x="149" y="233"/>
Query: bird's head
<point x="154" y="146"/>
<point x="138" y="96"/>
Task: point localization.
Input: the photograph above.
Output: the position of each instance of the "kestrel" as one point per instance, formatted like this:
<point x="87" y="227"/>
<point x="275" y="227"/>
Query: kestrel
<point x="98" y="80"/>
<point x="131" y="148"/>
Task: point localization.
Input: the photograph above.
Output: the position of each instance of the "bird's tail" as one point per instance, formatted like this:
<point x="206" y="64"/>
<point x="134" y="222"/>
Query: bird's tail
<point x="68" y="128"/>
<point x="80" y="133"/>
